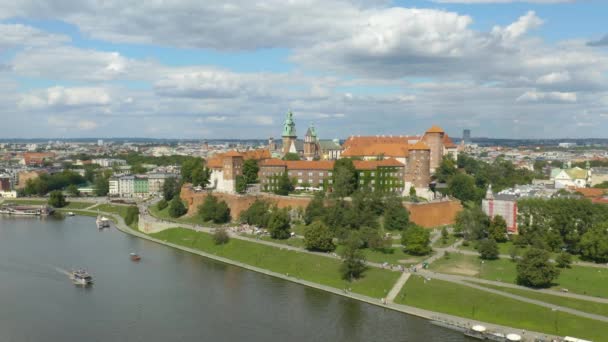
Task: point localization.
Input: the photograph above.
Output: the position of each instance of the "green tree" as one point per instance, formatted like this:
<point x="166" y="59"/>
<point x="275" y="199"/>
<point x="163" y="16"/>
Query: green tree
<point x="220" y="236"/>
<point x="73" y="191"/>
<point x="257" y="214"/>
<point x="177" y="207"/>
<point x="188" y="166"/>
<point x="344" y="177"/>
<point x="463" y="187"/>
<point x="170" y="188"/>
<point x="57" y="199"/>
<point x="241" y="184"/>
<point x="563" y="260"/>
<point x="206" y="211"/>
<point x="594" y="243"/>
<point x="222" y="213"/>
<point x="471" y="222"/>
<point x="416" y="240"/>
<point x="413" y="194"/>
<point x="279" y="224"/>
<point x="138" y="169"/>
<point x="250" y="171"/>
<point x="444" y="235"/>
<point x="284" y="185"/>
<point x="200" y="177"/>
<point x="446" y="170"/>
<point x="488" y="249"/>
<point x="498" y="229"/>
<point x="317" y="237"/>
<point x="396" y="217"/>
<point x="132" y="215"/>
<point x="315" y="209"/>
<point x="102" y="185"/>
<point x="535" y="270"/>
<point x="372" y="238"/>
<point x="353" y="260"/>
<point x="291" y="156"/>
<point x="162" y="204"/>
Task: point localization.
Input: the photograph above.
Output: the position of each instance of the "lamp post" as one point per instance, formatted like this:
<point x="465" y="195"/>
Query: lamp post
<point x="556" y="316"/>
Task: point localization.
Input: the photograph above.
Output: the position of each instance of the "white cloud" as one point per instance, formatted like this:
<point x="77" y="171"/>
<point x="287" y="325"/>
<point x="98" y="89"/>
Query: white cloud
<point x="503" y="1"/>
<point x="554" y="77"/>
<point x="60" y="97"/>
<point x="536" y="96"/>
<point x="18" y="35"/>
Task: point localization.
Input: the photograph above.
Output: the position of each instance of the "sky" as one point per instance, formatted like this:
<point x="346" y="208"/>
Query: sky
<point x="234" y="68"/>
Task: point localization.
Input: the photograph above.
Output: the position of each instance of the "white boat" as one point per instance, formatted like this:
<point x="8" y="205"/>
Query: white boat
<point x="70" y="213"/>
<point x="81" y="277"/>
<point x="102" y="222"/>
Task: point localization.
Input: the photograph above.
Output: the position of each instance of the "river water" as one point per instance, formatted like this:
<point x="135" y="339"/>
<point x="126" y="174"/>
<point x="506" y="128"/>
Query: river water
<point x="169" y="295"/>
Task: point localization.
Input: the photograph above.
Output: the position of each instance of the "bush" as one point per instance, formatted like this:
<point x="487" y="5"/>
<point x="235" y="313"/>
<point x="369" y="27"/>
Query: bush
<point x="416" y="240"/>
<point x="162" y="204"/>
<point x="257" y="214"/>
<point x="177" y="208"/>
<point x="318" y="238"/>
<point x="279" y="224"/>
<point x="212" y="210"/>
<point x="488" y="249"/>
<point x="220" y="236"/>
<point x="353" y="260"/>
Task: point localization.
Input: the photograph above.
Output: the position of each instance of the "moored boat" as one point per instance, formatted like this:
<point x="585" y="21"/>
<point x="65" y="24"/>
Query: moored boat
<point x="134" y="257"/>
<point x="102" y="222"/>
<point x="81" y="277"/>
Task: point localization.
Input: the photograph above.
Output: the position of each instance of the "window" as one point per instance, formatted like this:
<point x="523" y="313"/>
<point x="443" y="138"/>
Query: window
<point x="329" y="174"/>
<point x="299" y="173"/>
<point x="373" y="174"/>
<point x="320" y="174"/>
<point x="330" y="181"/>
<point x="373" y="182"/>
<point x="300" y="181"/>
<point x="361" y="174"/>
<point x="361" y="181"/>
<point x="310" y="174"/>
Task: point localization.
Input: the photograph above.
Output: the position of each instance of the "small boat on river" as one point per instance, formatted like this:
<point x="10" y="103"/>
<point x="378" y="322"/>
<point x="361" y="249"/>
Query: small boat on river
<point x="134" y="257"/>
<point x="102" y="222"/>
<point x="81" y="277"/>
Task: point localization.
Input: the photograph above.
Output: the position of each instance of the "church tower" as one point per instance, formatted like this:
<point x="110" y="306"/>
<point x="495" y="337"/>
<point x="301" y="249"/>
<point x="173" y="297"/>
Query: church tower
<point x="311" y="144"/>
<point x="289" y="134"/>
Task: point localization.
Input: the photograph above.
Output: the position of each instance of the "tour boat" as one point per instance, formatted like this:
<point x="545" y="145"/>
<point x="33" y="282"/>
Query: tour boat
<point x="134" y="257"/>
<point x="70" y="213"/>
<point x="81" y="277"/>
<point x="102" y="222"/>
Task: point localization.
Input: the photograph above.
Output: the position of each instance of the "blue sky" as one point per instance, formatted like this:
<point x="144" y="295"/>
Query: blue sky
<point x="233" y="68"/>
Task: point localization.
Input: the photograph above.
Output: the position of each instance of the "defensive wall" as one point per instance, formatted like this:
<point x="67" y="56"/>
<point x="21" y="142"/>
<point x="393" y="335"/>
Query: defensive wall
<point x="424" y="214"/>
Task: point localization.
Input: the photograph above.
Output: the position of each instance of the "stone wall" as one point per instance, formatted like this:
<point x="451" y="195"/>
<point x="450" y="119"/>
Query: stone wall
<point x="425" y="214"/>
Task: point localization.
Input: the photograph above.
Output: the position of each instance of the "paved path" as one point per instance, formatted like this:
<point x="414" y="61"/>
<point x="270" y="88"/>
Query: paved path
<point x="390" y="298"/>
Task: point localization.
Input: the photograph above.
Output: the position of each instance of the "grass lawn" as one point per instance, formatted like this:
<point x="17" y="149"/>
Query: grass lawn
<point x="463" y="301"/>
<point x="195" y="219"/>
<point x="113" y="208"/>
<point x="375" y="283"/>
<point x="26" y="201"/>
<point x="78" y="205"/>
<point x="299" y="229"/>
<point x="294" y="242"/>
<point x="577" y="304"/>
<point x="79" y="212"/>
<point x="589" y="281"/>
<point x="393" y="255"/>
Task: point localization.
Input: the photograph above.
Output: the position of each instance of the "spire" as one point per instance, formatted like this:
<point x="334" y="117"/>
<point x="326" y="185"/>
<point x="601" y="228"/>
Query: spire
<point x="489" y="193"/>
<point x="289" y="127"/>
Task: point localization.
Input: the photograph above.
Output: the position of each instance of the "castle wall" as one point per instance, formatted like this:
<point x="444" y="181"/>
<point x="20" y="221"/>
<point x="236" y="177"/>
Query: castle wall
<point x="427" y="215"/>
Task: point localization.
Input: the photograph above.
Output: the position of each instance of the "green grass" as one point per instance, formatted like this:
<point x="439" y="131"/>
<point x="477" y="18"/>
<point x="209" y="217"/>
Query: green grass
<point x="195" y="219"/>
<point x="78" y="205"/>
<point x="294" y="242"/>
<point x="112" y="208"/>
<point x="577" y="304"/>
<point x="26" y="201"/>
<point x="393" y="256"/>
<point x="589" y="281"/>
<point x="322" y="270"/>
<point x="79" y="212"/>
<point x="463" y="301"/>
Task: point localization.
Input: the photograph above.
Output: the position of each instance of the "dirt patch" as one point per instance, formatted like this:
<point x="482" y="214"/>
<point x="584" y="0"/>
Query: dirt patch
<point x="460" y="270"/>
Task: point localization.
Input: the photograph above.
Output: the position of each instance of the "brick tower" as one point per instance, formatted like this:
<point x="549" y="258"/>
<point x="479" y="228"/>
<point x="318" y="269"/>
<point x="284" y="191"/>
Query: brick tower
<point x="418" y="162"/>
<point x="311" y="144"/>
<point x="433" y="138"/>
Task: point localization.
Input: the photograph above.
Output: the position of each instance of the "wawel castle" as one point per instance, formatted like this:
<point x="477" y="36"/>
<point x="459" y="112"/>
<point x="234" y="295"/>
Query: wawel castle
<point x="385" y="163"/>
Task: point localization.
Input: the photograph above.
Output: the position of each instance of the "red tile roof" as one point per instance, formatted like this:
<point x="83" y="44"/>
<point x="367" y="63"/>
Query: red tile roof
<point x="215" y="162"/>
<point x="420" y="146"/>
<point x="447" y="142"/>
<point x="435" y="129"/>
<point x="378" y="149"/>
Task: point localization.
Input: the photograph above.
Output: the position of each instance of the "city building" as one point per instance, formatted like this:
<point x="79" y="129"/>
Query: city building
<point x="138" y="185"/>
<point x="5" y="182"/>
<point x="503" y="205"/>
<point x="466" y="136"/>
<point x="36" y="158"/>
<point x="570" y="177"/>
<point x="598" y="175"/>
<point x="109" y="162"/>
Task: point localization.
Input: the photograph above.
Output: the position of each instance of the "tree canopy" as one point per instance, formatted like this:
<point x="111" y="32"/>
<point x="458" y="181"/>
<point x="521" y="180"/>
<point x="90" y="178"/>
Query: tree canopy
<point x="57" y="199"/>
<point x="318" y="238"/>
<point x="416" y="240"/>
<point x="344" y="177"/>
<point x="177" y="207"/>
<point x="535" y="270"/>
<point x="279" y="224"/>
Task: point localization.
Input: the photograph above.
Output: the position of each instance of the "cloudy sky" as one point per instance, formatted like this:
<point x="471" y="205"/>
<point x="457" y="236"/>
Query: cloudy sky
<point x="233" y="68"/>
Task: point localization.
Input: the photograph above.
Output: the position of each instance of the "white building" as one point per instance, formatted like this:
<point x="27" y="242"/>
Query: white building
<point x="156" y="181"/>
<point x="572" y="177"/>
<point x="108" y="162"/>
<point x="114" y="186"/>
<point x="126" y="186"/>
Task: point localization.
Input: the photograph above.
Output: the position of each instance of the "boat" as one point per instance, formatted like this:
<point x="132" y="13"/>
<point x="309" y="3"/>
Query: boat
<point x="134" y="257"/>
<point x="81" y="277"/>
<point x="102" y="222"/>
<point x="70" y="213"/>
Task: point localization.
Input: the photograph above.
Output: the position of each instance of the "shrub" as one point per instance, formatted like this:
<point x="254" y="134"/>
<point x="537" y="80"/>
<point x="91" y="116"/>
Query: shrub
<point x="220" y="236"/>
<point x="162" y="204"/>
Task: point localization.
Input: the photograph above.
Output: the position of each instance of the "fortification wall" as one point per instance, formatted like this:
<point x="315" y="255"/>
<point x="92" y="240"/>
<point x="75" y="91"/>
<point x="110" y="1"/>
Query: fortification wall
<point x="424" y="214"/>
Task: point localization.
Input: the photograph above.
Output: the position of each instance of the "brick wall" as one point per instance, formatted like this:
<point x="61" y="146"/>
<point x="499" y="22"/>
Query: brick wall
<point x="426" y="214"/>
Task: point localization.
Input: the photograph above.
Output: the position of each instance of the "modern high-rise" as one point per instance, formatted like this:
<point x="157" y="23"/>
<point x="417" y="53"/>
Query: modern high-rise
<point x="466" y="136"/>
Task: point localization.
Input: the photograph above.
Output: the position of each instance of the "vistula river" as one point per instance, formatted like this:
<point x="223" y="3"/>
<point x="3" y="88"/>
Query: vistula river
<point x="169" y="295"/>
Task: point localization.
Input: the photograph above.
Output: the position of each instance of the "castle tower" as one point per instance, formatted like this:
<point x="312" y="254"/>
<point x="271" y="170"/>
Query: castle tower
<point x="433" y="138"/>
<point x="311" y="146"/>
<point x="232" y="167"/>
<point x="417" y="168"/>
<point x="289" y="133"/>
<point x="272" y="146"/>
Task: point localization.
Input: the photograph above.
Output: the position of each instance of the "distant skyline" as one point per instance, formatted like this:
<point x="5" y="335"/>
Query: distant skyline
<point x="232" y="69"/>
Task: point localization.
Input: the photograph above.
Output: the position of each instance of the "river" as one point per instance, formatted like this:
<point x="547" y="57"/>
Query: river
<point x="169" y="295"/>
